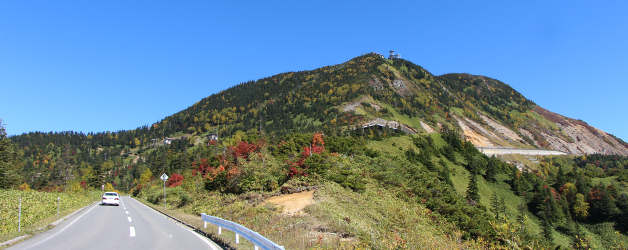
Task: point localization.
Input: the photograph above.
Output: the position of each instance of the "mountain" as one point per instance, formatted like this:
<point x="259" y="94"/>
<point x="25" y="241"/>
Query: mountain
<point x="337" y="98"/>
<point x="362" y="137"/>
<point x="368" y="90"/>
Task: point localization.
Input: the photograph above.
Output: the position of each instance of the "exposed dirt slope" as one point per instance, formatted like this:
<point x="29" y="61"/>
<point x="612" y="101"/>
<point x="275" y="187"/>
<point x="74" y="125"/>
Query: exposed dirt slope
<point x="293" y="203"/>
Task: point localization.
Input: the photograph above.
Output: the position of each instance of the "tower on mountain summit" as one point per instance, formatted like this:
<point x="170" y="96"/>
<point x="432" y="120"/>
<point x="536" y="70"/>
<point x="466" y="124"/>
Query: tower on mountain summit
<point x="393" y="55"/>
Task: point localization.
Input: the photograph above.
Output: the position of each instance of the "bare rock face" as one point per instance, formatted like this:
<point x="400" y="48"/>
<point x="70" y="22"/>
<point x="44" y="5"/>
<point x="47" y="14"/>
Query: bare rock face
<point x="529" y="136"/>
<point x="568" y="135"/>
<point x="502" y="130"/>
<point x="585" y="139"/>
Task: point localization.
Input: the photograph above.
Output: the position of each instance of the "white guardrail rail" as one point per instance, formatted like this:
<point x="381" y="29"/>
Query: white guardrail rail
<point x="257" y="239"/>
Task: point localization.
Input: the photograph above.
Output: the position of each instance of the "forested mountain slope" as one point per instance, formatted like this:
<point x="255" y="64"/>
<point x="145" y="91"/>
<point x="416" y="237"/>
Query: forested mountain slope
<point x="335" y="98"/>
<point x="368" y="126"/>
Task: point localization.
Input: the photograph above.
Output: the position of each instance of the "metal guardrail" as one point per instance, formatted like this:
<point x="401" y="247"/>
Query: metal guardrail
<point x="257" y="239"/>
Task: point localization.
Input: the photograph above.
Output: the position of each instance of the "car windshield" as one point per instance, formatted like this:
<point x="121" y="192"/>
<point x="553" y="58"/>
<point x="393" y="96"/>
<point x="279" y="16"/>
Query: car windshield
<point x="111" y="194"/>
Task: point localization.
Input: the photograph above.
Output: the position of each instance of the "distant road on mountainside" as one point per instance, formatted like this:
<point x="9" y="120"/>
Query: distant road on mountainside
<point x="490" y="151"/>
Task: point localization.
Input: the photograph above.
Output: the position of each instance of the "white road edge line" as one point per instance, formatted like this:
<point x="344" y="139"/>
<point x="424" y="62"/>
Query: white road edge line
<point x="209" y="243"/>
<point x="128" y="217"/>
<point x="63" y="229"/>
<point x="132" y="231"/>
<point x="200" y="237"/>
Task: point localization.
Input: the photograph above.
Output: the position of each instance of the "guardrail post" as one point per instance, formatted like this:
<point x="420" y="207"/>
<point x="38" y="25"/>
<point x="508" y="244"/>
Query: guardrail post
<point x="58" y="199"/>
<point x="256" y="248"/>
<point x="204" y="224"/>
<point x="237" y="238"/>
<point x="219" y="230"/>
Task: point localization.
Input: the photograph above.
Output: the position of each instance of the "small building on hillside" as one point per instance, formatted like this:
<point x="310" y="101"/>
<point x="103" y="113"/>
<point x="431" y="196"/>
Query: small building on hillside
<point x="168" y="140"/>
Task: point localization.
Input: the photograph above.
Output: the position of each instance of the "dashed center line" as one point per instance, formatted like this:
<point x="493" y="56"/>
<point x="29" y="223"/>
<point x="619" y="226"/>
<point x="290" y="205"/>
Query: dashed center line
<point x="128" y="217"/>
<point x="132" y="231"/>
<point x="127" y="212"/>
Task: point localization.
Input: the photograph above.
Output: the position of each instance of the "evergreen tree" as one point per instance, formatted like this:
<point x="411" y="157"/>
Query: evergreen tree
<point x="444" y="175"/>
<point x="622" y="217"/>
<point x="498" y="207"/>
<point x="547" y="230"/>
<point x="8" y="171"/>
<point x="472" y="190"/>
<point x="603" y="206"/>
<point x="492" y="169"/>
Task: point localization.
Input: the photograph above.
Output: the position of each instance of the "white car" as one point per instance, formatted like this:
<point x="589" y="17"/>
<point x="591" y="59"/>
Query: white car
<point x="110" y="198"/>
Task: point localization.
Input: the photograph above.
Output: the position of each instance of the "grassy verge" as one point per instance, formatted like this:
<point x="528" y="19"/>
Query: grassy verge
<point x="339" y="219"/>
<point x="38" y="210"/>
<point x="292" y="232"/>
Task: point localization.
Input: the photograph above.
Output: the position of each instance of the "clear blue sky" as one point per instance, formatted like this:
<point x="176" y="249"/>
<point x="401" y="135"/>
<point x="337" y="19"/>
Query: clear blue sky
<point x="111" y="65"/>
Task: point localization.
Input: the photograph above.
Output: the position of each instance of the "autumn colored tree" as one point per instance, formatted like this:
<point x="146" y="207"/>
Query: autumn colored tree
<point x="146" y="176"/>
<point x="580" y="207"/>
<point x="175" y="180"/>
<point x="109" y="187"/>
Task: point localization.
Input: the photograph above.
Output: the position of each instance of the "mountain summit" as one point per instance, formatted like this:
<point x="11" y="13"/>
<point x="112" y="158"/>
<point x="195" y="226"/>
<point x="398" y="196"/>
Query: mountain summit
<point x="369" y="88"/>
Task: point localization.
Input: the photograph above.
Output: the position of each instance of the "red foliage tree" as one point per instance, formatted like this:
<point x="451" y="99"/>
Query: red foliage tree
<point x="175" y="180"/>
<point x="201" y="167"/>
<point x="298" y="168"/>
<point x="243" y="149"/>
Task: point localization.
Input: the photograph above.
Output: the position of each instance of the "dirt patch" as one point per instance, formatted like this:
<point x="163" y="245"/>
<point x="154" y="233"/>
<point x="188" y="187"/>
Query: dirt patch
<point x="472" y="136"/>
<point x="426" y="127"/>
<point x="293" y="204"/>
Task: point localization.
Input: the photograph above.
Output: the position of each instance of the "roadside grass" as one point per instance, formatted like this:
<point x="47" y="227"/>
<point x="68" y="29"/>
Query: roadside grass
<point x="339" y="219"/>
<point x="382" y="221"/>
<point x="292" y="232"/>
<point x="38" y="209"/>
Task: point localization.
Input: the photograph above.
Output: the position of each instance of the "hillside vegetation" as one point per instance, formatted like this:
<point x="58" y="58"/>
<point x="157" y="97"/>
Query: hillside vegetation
<point x="381" y="186"/>
<point x="38" y="209"/>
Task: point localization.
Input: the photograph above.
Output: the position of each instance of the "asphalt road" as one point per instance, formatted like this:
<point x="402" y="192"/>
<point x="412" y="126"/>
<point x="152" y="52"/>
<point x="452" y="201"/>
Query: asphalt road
<point x="131" y="225"/>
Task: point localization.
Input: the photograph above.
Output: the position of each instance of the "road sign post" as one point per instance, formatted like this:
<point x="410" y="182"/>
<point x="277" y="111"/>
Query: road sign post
<point x="164" y="177"/>
<point x="58" y="199"/>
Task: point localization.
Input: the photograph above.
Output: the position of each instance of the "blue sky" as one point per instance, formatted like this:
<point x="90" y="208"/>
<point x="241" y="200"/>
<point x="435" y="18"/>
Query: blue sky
<point x="112" y="65"/>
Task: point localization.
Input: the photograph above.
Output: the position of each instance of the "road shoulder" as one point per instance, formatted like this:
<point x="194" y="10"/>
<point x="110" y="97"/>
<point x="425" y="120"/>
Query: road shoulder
<point x="204" y="237"/>
<point x="43" y="229"/>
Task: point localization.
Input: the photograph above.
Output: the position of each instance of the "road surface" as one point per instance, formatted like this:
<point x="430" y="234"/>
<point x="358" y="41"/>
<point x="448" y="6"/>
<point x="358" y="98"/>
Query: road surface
<point x="131" y="225"/>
